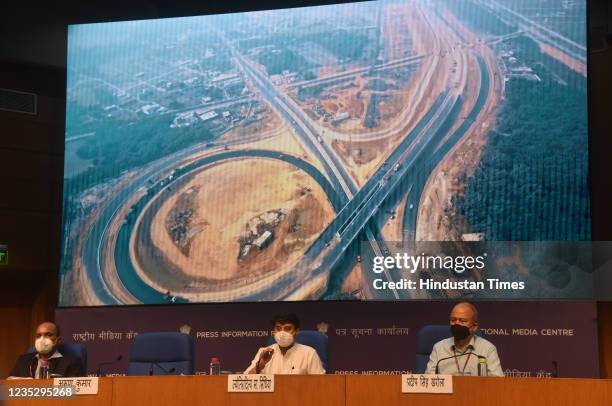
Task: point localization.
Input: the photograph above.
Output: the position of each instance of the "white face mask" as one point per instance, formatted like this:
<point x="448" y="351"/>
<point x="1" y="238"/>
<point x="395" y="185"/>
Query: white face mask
<point x="283" y="338"/>
<point x="43" y="345"/>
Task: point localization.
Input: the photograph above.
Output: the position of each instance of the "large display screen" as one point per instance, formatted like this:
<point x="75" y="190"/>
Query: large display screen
<point x="384" y="150"/>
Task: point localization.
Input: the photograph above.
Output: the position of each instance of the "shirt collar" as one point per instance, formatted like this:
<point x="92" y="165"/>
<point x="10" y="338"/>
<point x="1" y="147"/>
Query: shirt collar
<point x="56" y="354"/>
<point x="290" y="350"/>
<point x="472" y="343"/>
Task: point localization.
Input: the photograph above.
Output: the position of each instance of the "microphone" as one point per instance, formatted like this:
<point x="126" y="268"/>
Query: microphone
<point x="166" y="371"/>
<point x="555" y="373"/>
<point x="101" y="364"/>
<point x="469" y="351"/>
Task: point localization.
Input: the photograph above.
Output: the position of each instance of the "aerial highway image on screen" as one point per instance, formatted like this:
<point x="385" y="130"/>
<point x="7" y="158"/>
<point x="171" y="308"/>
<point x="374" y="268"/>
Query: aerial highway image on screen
<point x="257" y="156"/>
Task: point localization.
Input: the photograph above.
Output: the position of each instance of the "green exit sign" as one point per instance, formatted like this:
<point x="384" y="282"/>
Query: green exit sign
<point x="3" y="254"/>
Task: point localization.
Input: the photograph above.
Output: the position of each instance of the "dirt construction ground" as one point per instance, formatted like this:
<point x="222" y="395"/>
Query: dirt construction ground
<point x="228" y="196"/>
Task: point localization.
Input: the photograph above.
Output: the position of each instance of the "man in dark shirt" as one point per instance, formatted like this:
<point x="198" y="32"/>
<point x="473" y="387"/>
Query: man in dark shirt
<point x="47" y="361"/>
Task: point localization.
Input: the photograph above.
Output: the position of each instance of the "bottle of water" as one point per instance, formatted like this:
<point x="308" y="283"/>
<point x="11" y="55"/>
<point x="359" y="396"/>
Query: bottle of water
<point x="482" y="366"/>
<point x="215" y="366"/>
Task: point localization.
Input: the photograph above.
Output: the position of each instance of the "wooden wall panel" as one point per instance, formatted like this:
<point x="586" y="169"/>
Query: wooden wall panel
<point x="14" y="333"/>
<point x="27" y="235"/>
<point x="33" y="133"/>
<point x="30" y="196"/>
<point x="31" y="166"/>
<point x="604" y="312"/>
<point x="17" y="292"/>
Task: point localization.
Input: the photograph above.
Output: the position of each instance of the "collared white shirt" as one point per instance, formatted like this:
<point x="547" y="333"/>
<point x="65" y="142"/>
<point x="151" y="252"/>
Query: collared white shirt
<point x="56" y="354"/>
<point x="456" y="362"/>
<point x="299" y="359"/>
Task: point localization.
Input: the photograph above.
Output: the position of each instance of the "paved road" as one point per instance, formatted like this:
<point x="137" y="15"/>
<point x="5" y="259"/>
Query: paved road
<point x="437" y="154"/>
<point x="414" y="153"/>
<point x="126" y="272"/>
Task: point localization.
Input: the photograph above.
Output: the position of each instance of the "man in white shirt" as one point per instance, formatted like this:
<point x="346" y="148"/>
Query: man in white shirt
<point x="461" y="353"/>
<point x="286" y="357"/>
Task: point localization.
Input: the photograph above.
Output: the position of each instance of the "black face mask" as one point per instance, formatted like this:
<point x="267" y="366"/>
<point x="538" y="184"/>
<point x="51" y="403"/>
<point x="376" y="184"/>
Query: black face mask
<point x="459" y="332"/>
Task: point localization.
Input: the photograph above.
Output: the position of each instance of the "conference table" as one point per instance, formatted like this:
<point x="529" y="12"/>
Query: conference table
<point x="333" y="390"/>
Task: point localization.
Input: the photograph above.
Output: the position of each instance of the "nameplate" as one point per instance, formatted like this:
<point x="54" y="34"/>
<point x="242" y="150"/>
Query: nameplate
<point x="250" y="383"/>
<point x="416" y="383"/>
<point x="81" y="386"/>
